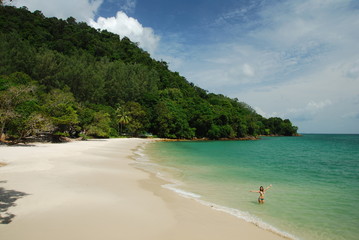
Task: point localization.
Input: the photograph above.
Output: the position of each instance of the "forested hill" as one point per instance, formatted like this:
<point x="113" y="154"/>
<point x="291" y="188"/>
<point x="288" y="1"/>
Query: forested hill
<point x="65" y="78"/>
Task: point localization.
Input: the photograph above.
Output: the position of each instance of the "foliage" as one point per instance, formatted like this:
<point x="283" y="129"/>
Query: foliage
<point x="100" y="126"/>
<point x="122" y="117"/>
<point x="68" y="79"/>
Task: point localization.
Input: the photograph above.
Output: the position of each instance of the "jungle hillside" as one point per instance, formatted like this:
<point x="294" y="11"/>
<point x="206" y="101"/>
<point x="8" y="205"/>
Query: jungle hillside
<point x="61" y="78"/>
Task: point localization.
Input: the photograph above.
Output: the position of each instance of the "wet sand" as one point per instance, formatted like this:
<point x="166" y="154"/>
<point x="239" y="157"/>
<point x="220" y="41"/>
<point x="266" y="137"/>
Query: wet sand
<point x="89" y="190"/>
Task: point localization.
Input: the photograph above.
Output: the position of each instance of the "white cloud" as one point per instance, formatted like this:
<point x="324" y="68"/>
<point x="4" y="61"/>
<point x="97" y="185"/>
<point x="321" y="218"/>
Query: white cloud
<point x="352" y="71"/>
<point x="127" y="26"/>
<point x="351" y="115"/>
<point x="128" y="5"/>
<point x="308" y="112"/>
<point x="314" y="102"/>
<point x="292" y="59"/>
<point x="248" y="70"/>
<point x="265" y="114"/>
<point x="296" y="60"/>
<point x="81" y="10"/>
<point x="304" y="113"/>
<point x="314" y="106"/>
<point x="86" y="10"/>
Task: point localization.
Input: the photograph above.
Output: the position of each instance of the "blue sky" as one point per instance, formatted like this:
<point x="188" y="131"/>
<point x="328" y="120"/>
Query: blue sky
<point x="292" y="59"/>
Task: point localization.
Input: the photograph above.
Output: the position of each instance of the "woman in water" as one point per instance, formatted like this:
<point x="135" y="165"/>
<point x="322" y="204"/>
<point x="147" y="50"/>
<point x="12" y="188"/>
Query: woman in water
<point x="261" y="193"/>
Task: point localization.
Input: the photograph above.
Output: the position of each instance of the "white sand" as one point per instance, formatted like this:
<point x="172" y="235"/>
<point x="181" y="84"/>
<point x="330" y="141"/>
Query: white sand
<point x="88" y="190"/>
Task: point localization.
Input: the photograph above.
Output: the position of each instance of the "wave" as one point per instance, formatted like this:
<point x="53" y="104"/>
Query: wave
<point x="181" y="192"/>
<point x="165" y="173"/>
<point x="232" y="211"/>
<point x="138" y="153"/>
<point x="248" y="218"/>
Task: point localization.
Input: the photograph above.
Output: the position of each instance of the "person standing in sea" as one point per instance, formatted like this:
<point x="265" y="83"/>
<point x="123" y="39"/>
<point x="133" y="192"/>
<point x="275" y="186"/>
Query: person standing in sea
<point x="261" y="193"/>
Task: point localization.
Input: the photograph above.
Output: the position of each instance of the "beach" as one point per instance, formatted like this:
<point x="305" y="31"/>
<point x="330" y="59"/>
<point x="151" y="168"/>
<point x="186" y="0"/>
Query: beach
<point x="91" y="190"/>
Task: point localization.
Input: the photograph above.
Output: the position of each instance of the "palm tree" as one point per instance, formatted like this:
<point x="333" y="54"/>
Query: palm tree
<point x="122" y="117"/>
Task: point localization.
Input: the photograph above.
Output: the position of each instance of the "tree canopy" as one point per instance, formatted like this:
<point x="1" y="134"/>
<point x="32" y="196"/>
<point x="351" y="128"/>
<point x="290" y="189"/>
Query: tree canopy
<point x="68" y="79"/>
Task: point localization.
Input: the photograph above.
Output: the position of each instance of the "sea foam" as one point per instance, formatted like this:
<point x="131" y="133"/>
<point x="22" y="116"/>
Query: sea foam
<point x="232" y="211"/>
<point x="143" y="162"/>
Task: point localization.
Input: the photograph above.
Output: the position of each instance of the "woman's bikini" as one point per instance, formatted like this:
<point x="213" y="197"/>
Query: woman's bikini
<point x="261" y="196"/>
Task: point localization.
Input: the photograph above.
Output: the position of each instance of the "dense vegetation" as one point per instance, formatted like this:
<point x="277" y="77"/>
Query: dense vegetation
<point x="65" y="78"/>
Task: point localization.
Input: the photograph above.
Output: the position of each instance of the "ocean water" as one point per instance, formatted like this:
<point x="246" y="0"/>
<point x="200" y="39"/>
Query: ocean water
<point x="315" y="178"/>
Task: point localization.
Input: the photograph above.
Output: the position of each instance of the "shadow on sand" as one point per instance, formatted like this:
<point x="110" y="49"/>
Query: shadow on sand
<point x="7" y="200"/>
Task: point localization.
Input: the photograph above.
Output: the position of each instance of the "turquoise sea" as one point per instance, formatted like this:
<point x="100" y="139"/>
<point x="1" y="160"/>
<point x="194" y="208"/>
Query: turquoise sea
<point x="315" y="178"/>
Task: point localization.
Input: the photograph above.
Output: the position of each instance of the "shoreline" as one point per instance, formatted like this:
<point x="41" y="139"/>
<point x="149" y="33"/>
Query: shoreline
<point x="91" y="190"/>
<point x="157" y="171"/>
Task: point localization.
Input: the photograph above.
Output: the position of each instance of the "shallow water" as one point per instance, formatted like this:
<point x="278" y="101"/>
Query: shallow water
<point x="315" y="180"/>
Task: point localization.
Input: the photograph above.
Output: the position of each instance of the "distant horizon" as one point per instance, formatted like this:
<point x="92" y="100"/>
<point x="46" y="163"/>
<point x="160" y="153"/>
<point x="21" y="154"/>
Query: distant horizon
<point x="330" y="133"/>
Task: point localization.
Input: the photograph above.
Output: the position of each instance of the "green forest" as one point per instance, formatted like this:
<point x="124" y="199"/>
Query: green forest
<point x="62" y="78"/>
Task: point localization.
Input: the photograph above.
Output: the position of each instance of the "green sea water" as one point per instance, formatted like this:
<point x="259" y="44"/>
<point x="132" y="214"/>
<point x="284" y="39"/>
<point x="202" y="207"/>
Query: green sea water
<point x="315" y="180"/>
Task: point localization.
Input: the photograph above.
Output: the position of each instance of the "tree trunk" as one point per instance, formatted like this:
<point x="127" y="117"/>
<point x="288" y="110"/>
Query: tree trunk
<point x="2" y="134"/>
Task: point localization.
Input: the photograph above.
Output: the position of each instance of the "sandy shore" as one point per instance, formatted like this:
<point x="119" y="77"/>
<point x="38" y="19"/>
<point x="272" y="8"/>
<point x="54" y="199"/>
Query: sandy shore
<point x="89" y="190"/>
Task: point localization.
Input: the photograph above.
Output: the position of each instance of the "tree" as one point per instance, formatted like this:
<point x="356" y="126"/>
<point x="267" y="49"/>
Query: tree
<point x="9" y="100"/>
<point x="214" y="132"/>
<point x="82" y="74"/>
<point x="171" y="121"/>
<point x="287" y="128"/>
<point x="122" y="118"/>
<point x="35" y="124"/>
<point x="137" y="118"/>
<point x="2" y="1"/>
<point x="60" y="106"/>
<point x="100" y="126"/>
<point x="242" y="130"/>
